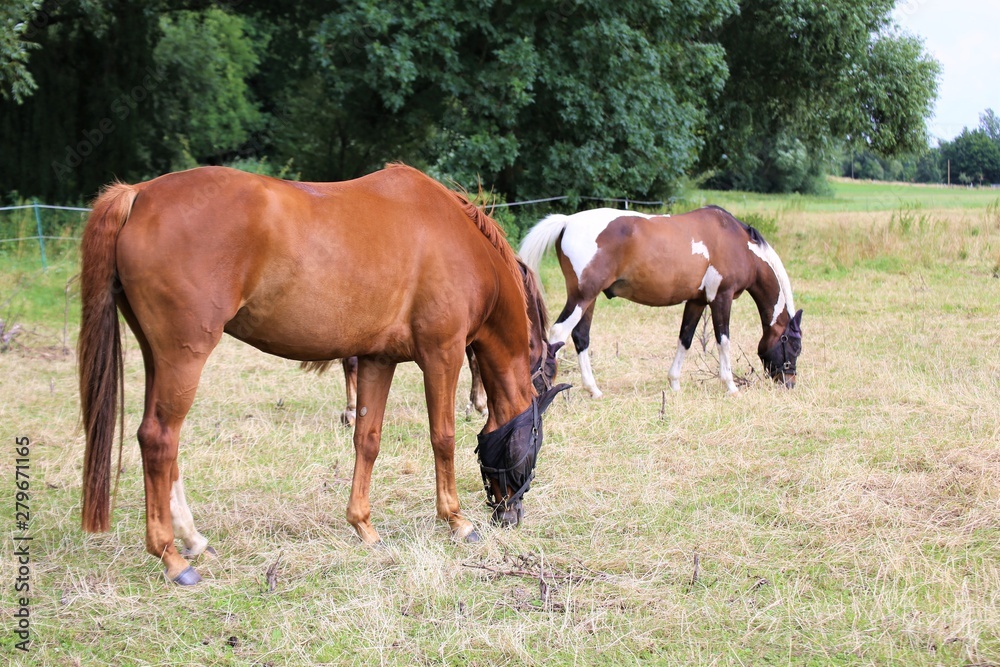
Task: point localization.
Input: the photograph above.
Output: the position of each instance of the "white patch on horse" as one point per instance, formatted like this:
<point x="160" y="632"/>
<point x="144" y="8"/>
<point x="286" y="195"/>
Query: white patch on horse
<point x="183" y="522"/>
<point x="675" y="368"/>
<point x="579" y="241"/>
<point x="725" y="365"/>
<point x="588" y="375"/>
<point x="768" y="256"/>
<point x="698" y="248"/>
<point x="561" y="330"/>
<point x="710" y="283"/>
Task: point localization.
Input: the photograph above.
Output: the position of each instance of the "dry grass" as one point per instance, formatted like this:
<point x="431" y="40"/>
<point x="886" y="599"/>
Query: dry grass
<point x="854" y="520"/>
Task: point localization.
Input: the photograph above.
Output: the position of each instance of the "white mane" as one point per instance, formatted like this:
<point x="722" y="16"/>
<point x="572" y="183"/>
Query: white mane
<point x="770" y="257"/>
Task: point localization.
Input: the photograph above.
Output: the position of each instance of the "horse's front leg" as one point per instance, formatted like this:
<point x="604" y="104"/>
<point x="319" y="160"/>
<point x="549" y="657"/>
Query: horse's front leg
<point x="440" y="379"/>
<point x="374" y="380"/>
<point x="721" y="307"/>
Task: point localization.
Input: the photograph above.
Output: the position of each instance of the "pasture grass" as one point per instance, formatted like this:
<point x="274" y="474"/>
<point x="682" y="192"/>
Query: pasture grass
<point x="852" y="521"/>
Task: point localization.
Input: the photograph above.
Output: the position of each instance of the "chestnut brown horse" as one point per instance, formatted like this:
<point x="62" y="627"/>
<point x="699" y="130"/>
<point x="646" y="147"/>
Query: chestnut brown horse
<point x="542" y="373"/>
<point x="390" y="267"/>
<point x="704" y="258"/>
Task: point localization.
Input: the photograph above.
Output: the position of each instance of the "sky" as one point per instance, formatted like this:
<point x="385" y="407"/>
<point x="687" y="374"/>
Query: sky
<point x="962" y="36"/>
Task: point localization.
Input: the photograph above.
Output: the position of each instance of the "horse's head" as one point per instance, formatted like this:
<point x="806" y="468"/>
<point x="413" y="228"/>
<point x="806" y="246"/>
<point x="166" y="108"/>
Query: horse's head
<point x="779" y="359"/>
<point x="507" y="458"/>
<point x="541" y="353"/>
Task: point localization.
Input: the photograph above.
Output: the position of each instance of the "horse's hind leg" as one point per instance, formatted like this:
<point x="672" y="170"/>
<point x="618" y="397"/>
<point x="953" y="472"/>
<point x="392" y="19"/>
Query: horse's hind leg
<point x="194" y="542"/>
<point x="575" y="319"/>
<point x="169" y="393"/>
<point x="351" y="380"/>
<point x="689" y="324"/>
<point x="477" y="392"/>
<point x="581" y="341"/>
<point x="168" y="398"/>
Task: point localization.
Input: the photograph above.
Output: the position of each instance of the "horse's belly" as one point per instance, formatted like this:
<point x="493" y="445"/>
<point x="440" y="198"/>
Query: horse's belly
<point x="316" y="330"/>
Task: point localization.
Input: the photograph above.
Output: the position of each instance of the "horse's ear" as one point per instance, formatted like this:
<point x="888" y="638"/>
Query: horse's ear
<point x="555" y="347"/>
<point x="548" y="395"/>
<point x="798" y="319"/>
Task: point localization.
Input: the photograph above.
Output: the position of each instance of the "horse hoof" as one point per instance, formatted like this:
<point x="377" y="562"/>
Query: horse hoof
<point x="188" y="577"/>
<point x="472" y="538"/>
<point x="347" y="417"/>
<point x="207" y="551"/>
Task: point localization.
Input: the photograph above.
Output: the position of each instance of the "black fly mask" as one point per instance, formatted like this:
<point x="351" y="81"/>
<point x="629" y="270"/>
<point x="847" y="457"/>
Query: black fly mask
<point x="507" y="457"/>
<point x="780" y="360"/>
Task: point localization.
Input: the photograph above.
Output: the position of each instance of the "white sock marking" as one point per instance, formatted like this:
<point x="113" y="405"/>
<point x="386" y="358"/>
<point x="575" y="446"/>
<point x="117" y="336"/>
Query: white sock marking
<point x="182" y="520"/>
<point x="561" y="330"/>
<point x="710" y="283"/>
<point x="725" y="366"/>
<point x="588" y="375"/>
<point x="675" y="368"/>
<point x="698" y="248"/>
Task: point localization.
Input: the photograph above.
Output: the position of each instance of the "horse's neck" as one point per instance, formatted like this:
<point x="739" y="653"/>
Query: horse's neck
<point x="766" y="293"/>
<point x="503" y="357"/>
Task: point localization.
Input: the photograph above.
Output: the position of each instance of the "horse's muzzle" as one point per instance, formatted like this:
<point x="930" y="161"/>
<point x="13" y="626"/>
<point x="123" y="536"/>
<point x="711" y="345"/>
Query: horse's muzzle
<point x="789" y="381"/>
<point x="508" y="515"/>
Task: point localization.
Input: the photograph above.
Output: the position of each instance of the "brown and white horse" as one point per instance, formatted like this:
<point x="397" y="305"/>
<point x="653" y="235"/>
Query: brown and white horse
<point x="390" y="267"/>
<point x="704" y="258"/>
<point x="542" y="373"/>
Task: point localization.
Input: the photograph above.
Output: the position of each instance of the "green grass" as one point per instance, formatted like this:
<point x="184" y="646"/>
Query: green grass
<point x="852" y="196"/>
<point x="852" y="521"/>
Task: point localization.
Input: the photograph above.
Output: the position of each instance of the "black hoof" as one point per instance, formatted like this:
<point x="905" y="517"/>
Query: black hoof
<point x="473" y="537"/>
<point x="188" y="577"/>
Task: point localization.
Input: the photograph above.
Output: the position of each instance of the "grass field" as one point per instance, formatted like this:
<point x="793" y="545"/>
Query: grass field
<point x="852" y="521"/>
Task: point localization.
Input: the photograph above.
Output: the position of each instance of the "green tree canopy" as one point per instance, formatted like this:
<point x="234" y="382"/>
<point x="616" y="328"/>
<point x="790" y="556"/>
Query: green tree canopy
<point x="533" y="97"/>
<point x="806" y="76"/>
<point x="16" y="81"/>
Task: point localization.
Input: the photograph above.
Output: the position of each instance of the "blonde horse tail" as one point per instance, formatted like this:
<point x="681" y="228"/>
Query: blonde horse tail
<point x="540" y="238"/>
<point x="99" y="349"/>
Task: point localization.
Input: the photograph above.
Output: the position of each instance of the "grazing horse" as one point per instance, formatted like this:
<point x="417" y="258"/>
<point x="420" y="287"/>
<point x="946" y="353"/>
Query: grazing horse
<point x="542" y="373"/>
<point x="390" y="267"/>
<point x="704" y="258"/>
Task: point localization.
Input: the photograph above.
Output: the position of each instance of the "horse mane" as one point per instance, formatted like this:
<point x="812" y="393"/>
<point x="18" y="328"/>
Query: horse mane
<point x="533" y="294"/>
<point x="493" y="232"/>
<point x="767" y="254"/>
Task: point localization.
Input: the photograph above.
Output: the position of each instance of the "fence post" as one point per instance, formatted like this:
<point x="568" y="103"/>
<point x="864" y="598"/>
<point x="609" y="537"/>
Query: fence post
<point x="41" y="239"/>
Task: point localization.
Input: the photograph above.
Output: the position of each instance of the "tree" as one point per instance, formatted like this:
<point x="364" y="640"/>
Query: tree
<point x="128" y="89"/>
<point x="818" y="74"/>
<point x="207" y="59"/>
<point x="974" y="154"/>
<point x="16" y="81"/>
<point x="593" y="98"/>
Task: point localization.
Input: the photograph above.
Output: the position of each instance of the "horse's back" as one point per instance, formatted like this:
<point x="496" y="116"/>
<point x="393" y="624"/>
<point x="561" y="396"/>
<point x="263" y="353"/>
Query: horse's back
<point x="307" y="270"/>
<point x="664" y="260"/>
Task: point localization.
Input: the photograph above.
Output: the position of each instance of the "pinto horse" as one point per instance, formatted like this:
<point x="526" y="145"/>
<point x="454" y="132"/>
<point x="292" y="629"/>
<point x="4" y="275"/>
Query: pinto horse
<point x="390" y="267"/>
<point x="542" y="373"/>
<point x="704" y="258"/>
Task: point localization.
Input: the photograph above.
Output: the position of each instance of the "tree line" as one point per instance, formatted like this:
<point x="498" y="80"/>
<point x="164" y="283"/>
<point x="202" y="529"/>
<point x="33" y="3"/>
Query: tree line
<point x="971" y="158"/>
<point x="531" y="98"/>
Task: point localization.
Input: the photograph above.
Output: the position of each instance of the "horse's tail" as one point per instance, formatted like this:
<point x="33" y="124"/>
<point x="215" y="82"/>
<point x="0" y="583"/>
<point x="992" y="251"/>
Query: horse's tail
<point x="542" y="237"/>
<point x="99" y="349"/>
